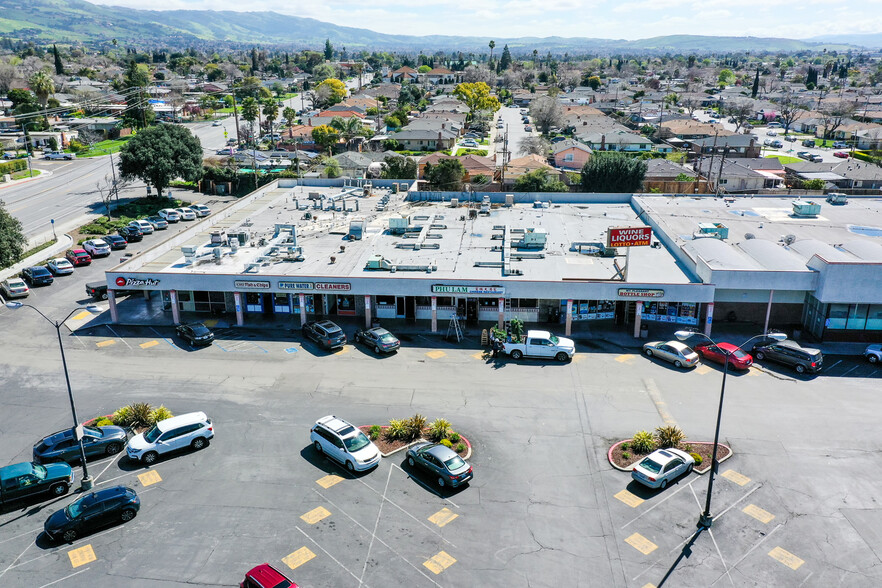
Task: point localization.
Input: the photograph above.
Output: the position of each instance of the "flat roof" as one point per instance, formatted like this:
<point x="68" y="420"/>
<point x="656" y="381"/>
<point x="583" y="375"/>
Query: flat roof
<point x="457" y="246"/>
<point x="849" y="232"/>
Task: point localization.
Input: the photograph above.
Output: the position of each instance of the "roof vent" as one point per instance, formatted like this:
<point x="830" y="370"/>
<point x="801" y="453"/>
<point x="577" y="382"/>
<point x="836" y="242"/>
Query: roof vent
<point x="789" y="239"/>
<point x="749" y="236"/>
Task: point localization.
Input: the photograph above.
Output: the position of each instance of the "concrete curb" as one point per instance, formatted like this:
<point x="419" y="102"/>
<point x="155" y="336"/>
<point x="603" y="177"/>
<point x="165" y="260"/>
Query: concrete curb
<point x="415" y="441"/>
<point x="43" y="174"/>
<point x="696" y="470"/>
<point x="64" y="242"/>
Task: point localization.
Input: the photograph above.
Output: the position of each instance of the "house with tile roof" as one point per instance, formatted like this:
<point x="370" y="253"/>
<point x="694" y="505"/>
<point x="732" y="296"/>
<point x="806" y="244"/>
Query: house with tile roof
<point x="474" y="165"/>
<point x="570" y="154"/>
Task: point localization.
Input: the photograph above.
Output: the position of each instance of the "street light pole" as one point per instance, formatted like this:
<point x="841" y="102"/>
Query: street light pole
<point x="86" y="482"/>
<point x="705" y="520"/>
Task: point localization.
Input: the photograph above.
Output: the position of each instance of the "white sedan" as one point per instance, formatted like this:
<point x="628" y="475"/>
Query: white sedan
<point x="662" y="466"/>
<point x="186" y="214"/>
<point x="200" y="209"/>
<point x="60" y="266"/>
<point x="170" y="215"/>
<point x="96" y="248"/>
<point x="673" y="351"/>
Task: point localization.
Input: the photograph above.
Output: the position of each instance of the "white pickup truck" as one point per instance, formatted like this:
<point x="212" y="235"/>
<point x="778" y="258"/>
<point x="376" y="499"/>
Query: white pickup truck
<point x="541" y="344"/>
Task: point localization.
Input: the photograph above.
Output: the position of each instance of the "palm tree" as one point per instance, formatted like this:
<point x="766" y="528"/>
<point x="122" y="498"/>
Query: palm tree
<point x="42" y="86"/>
<point x="250" y="111"/>
<point x="270" y="113"/>
<point x="290" y="114"/>
<point x="348" y="128"/>
<point x="492" y="45"/>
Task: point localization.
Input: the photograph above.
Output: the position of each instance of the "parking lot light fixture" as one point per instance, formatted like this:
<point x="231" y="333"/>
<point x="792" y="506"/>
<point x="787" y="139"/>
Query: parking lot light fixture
<point x="706" y="519"/>
<point x="86" y="482"/>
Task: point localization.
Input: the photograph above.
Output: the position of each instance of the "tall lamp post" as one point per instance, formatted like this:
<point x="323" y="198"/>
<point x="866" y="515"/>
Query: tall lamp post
<point x="86" y="483"/>
<point x="706" y="519"/>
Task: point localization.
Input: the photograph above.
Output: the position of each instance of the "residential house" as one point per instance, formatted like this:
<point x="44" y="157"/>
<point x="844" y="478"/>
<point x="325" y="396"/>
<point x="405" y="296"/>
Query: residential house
<point x="418" y="140"/>
<point x="662" y="170"/>
<point x="441" y="75"/>
<point x="389" y="90"/>
<point x="869" y="138"/>
<point x="616" y="141"/>
<point x="524" y="98"/>
<point x="298" y="136"/>
<point x="474" y="166"/>
<point x="732" y="176"/>
<point x="355" y="164"/>
<point x="326" y="116"/>
<point x="523" y="165"/>
<point x="848" y="174"/>
<point x="688" y="129"/>
<point x="570" y="154"/>
<point x="733" y="146"/>
<point x="403" y="74"/>
<point x="849" y="128"/>
<point x="433" y="124"/>
<point x="455" y="118"/>
<point x="770" y="167"/>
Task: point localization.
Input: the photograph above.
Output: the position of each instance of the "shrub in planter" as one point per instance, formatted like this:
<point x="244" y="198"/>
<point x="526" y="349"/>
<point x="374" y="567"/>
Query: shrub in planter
<point x="123" y="416"/>
<point x="141" y="415"/>
<point x="397" y="430"/>
<point x="626" y="455"/>
<point x="624" y="446"/>
<point x="669" y="436"/>
<point x="461" y="447"/>
<point x="697" y="459"/>
<point x="643" y="442"/>
<point x="415" y="426"/>
<point x="446" y="443"/>
<point x="160" y="414"/>
<point x="438" y="429"/>
<point x="375" y="432"/>
<point x="454" y="437"/>
<point x="103" y="422"/>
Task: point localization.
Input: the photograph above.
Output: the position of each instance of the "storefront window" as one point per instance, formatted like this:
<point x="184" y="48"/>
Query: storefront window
<point x="280" y="303"/>
<point x="587" y="309"/>
<point x="253" y="302"/>
<point x="525" y="303"/>
<point x="423" y="301"/>
<point x="183" y="296"/>
<point x="345" y="304"/>
<point x="488" y="303"/>
<point x="385" y="301"/>
<point x="671" y="312"/>
<point x="857" y="316"/>
<point x="874" y="317"/>
<point x="445" y="301"/>
<point x="308" y="301"/>
<point x="837" y="318"/>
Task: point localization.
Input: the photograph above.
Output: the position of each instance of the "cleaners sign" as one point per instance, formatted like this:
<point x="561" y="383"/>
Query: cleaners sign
<point x="628" y="236"/>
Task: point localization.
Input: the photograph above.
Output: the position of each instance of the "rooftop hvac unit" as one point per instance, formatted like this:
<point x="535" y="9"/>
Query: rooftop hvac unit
<point x="509" y="200"/>
<point x="533" y="239"/>
<point x="454" y="202"/>
<point x="218" y="237"/>
<point x="719" y="230"/>
<point x="189" y="250"/>
<point x="218" y="255"/>
<point x="806" y="208"/>
<point x="837" y="198"/>
<point x="356" y="230"/>
<point x="398" y="224"/>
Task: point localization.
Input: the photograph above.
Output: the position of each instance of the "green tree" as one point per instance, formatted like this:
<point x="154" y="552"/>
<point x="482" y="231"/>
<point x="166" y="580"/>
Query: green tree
<point x="505" y="60"/>
<point x="477" y="97"/>
<point x="613" y="172"/>
<point x="814" y="184"/>
<point x="330" y="92"/>
<point x="347" y="127"/>
<point x="538" y="180"/>
<point x="250" y="111"/>
<point x="446" y="175"/>
<point x="332" y="168"/>
<point x="725" y="77"/>
<point x="424" y="69"/>
<point x="399" y="168"/>
<point x="270" y="112"/>
<point x="492" y="45"/>
<point x="593" y="82"/>
<point x="59" y="67"/>
<point x="290" y="115"/>
<point x="325" y="136"/>
<point x="20" y="97"/>
<point x="161" y="154"/>
<point x="329" y="50"/>
<point x="42" y="86"/>
<point x="12" y="239"/>
<point x="138" y="113"/>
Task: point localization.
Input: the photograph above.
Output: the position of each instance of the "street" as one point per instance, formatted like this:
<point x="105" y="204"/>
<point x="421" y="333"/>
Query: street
<point x="511" y="117"/>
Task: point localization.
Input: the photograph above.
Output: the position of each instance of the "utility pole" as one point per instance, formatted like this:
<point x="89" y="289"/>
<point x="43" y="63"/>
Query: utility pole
<point x="710" y="167"/>
<point x="235" y="112"/>
<point x="720" y="174"/>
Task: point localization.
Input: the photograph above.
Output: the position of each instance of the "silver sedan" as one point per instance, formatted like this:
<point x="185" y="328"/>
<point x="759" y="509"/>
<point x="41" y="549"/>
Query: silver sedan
<point x="673" y="351"/>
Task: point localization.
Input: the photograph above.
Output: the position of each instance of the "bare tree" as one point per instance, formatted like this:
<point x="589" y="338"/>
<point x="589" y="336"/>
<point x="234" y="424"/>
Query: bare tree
<point x="7" y="76"/>
<point x="741" y="111"/>
<point x="532" y="145"/>
<point x="690" y="104"/>
<point x="546" y="113"/>
<point x="789" y="111"/>
<point x="108" y="190"/>
<point x="473" y="74"/>
<point x="833" y="114"/>
<point x="569" y="79"/>
<point x="512" y="80"/>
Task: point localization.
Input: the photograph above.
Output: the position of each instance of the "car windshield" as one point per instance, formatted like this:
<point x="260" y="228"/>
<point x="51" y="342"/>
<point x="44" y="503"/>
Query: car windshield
<point x="199" y="330"/>
<point x="40" y="472"/>
<point x="360" y="441"/>
<point x="739" y="354"/>
<point x="74" y="509"/>
<point x="95" y="431"/>
<point x="554" y="340"/>
<point x="152" y="434"/>
<point x="648" y="464"/>
<point x="387" y="338"/>
<point x="454" y="463"/>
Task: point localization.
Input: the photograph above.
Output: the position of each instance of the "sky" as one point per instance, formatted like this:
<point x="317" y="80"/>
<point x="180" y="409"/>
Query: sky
<point x="623" y="19"/>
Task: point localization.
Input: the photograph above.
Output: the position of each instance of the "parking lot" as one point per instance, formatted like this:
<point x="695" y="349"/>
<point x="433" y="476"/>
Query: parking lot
<point x="795" y="504"/>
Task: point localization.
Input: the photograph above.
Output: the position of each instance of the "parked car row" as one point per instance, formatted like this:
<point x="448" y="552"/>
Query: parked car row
<point x="787" y="352"/>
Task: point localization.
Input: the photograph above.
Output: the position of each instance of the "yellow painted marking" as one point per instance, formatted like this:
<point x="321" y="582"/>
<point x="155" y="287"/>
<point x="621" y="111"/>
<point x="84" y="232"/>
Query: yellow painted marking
<point x="315" y="515"/>
<point x="344" y="349"/>
<point x="148" y="344"/>
<point x="480" y="355"/>
<point x="81" y="555"/>
<point x="329" y="480"/>
<point x="148" y="478"/>
<point x="80" y="316"/>
<point x="437" y="354"/>
<point x="625" y="358"/>
<point x="641" y="543"/>
<point x="734" y="476"/>
<point x="439" y="562"/>
<point x="649" y="585"/>
<point x="630" y="499"/>
<point x="786" y="558"/>
<point x="298" y="558"/>
<point x="754" y="371"/>
<point x="759" y="514"/>
<point x="703" y="369"/>
<point x="210" y="323"/>
<point x="105" y="343"/>
<point x="443" y="516"/>
<point x="579" y="357"/>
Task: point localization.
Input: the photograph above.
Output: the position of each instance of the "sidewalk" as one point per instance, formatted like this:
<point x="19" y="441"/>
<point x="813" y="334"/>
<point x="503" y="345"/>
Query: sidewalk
<point x="138" y="311"/>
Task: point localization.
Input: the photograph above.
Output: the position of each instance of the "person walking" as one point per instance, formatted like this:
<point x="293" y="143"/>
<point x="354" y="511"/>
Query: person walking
<point x="496" y="346"/>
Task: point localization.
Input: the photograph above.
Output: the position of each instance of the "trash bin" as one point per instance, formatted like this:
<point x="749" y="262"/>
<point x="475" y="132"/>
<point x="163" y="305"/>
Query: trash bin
<point x="644" y="332"/>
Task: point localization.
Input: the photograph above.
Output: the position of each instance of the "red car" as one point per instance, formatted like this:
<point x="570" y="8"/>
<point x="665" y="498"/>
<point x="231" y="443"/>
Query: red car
<point x="840" y="154"/>
<point x="266" y="576"/>
<point x="720" y="352"/>
<point x="78" y="257"/>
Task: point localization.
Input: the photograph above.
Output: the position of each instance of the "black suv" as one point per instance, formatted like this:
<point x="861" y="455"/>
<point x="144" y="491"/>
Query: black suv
<point x="92" y="511"/>
<point x="130" y="233"/>
<point x="62" y="446"/>
<point x="802" y="359"/>
<point x="325" y="333"/>
<point x="115" y="241"/>
<point x="195" y="334"/>
<point x="37" y="276"/>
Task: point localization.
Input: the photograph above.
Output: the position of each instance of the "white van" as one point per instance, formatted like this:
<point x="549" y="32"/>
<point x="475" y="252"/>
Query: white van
<point x="193" y="429"/>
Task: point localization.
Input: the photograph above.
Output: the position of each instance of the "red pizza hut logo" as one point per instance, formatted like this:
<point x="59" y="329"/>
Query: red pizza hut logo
<point x="136" y="282"/>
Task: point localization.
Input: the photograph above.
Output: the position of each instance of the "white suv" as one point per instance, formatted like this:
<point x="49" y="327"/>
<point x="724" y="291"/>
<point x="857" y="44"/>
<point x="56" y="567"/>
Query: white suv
<point x="193" y="429"/>
<point x="344" y="443"/>
<point x="146" y="227"/>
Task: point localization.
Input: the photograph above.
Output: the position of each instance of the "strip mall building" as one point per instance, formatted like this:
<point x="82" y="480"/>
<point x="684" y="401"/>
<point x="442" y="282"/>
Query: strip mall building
<point x="292" y="252"/>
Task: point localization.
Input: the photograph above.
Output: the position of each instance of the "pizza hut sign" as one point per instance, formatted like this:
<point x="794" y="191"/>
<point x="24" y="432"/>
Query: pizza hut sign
<point x="628" y="236"/>
<point x="122" y="282"/>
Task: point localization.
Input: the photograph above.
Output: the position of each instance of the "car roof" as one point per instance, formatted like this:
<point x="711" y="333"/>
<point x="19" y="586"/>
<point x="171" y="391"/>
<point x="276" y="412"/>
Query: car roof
<point x="379" y="331"/>
<point x="663" y="456"/>
<point x="79" y="251"/>
<point x="327" y="325"/>
<point x="58" y="436"/>
<point x="59" y="260"/>
<point x="441" y="452"/>
<point x="16" y="469"/>
<point x="11" y="281"/>
<point x="266" y="575"/>
<point x="181" y="420"/>
<point x="334" y="423"/>
<point x="678" y="345"/>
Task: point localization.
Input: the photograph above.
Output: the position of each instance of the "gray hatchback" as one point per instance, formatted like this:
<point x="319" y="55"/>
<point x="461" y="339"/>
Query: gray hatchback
<point x="97" y="441"/>
<point x="443" y="462"/>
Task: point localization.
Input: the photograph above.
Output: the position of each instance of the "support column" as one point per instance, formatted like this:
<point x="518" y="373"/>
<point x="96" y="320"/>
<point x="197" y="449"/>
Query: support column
<point x="569" y="323"/>
<point x="501" y="321"/>
<point x="709" y="319"/>
<point x="367" y="311"/>
<point x="638" y="315"/>
<point x="768" y="311"/>
<point x="147" y="294"/>
<point x="240" y="313"/>
<point x="114" y="313"/>
<point x="302" y="309"/>
<point x="176" y="313"/>
<point x="434" y="314"/>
